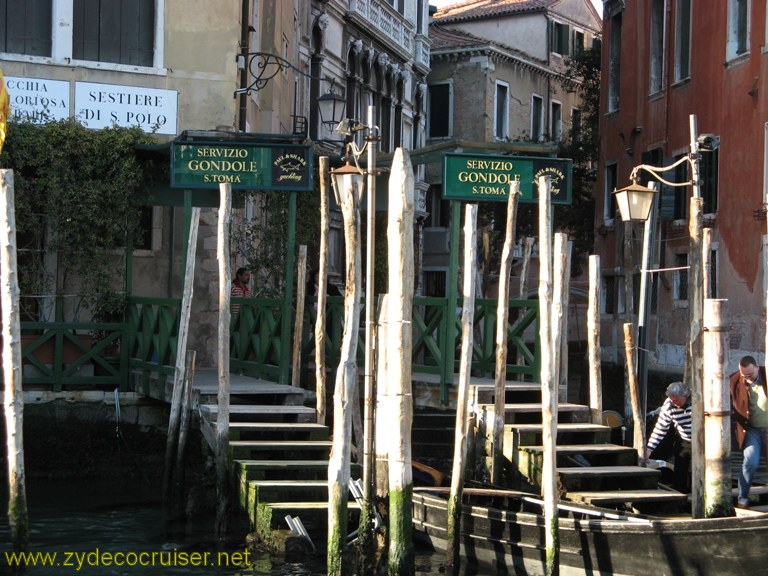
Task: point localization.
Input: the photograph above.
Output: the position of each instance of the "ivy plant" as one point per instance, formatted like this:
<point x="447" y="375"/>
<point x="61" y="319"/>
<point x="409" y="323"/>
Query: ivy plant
<point x="78" y="196"/>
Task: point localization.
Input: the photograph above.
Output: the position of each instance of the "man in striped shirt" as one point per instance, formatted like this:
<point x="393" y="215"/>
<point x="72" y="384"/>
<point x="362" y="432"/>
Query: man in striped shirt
<point x="675" y="412"/>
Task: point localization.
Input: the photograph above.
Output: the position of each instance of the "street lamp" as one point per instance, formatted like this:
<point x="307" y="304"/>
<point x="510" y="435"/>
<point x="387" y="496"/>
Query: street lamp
<point x="347" y="178"/>
<point x="331" y="106"/>
<point x="634" y="202"/>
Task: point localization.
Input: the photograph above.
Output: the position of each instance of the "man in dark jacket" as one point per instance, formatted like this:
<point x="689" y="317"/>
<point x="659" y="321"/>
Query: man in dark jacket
<point x="749" y="402"/>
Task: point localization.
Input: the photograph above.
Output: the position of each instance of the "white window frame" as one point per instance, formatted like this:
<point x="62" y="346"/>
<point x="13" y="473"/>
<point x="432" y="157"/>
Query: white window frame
<point x="505" y="120"/>
<point x="733" y="32"/>
<point x="555" y="122"/>
<point x="540" y="136"/>
<point x="679" y="74"/>
<point x="61" y="43"/>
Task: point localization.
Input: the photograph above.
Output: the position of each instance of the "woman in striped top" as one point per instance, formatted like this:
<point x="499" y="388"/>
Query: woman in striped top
<point x="675" y="412"/>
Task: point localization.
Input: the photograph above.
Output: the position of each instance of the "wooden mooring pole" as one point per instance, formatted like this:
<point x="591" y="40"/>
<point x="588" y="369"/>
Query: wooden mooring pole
<point x="322" y="293"/>
<point x="549" y="382"/>
<point x="399" y="358"/>
<point x="222" y="415"/>
<point x="502" y="316"/>
<point x="593" y="342"/>
<point x="344" y="392"/>
<point x="298" y="325"/>
<point x="638" y="418"/>
<point x="180" y="369"/>
<point x="18" y="516"/>
<point x="718" y="500"/>
<point x="453" y="535"/>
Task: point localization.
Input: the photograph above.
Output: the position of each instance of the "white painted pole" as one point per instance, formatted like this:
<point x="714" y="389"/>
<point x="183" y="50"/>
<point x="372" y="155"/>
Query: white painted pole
<point x="593" y="342"/>
<point x="222" y="417"/>
<point x="13" y="400"/>
<point x="399" y="359"/>
<point x="718" y="499"/>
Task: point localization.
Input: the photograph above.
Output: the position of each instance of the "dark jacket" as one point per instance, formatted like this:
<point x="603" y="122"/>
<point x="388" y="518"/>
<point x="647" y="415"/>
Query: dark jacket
<point x="740" y="403"/>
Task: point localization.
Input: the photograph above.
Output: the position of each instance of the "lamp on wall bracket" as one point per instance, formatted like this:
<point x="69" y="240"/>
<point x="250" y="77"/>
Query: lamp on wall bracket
<point x="331" y="106"/>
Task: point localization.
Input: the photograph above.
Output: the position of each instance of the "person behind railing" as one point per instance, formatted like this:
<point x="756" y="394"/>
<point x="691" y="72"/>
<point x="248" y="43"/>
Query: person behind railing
<point x="675" y="413"/>
<point x="240" y="288"/>
<point x="749" y="404"/>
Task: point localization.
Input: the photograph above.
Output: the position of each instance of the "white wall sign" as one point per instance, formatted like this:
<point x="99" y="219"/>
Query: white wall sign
<point x="37" y="99"/>
<point x="104" y="105"/>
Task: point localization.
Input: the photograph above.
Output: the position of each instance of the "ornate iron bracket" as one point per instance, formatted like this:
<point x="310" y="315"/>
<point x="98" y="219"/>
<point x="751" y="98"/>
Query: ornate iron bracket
<point x="263" y="66"/>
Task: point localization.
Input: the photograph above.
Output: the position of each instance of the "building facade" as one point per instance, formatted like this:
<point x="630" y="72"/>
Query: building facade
<point x="175" y="67"/>
<point x="663" y="62"/>
<point x="498" y="86"/>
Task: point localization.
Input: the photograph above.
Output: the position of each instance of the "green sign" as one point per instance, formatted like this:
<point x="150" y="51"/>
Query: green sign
<point x="477" y="177"/>
<point x="242" y="164"/>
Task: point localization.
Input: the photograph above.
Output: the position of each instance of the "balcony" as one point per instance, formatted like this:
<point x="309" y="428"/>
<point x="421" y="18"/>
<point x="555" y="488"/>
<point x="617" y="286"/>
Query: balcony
<point x="395" y="31"/>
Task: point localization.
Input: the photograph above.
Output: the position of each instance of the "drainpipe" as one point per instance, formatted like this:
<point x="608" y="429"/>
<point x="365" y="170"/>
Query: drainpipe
<point x="244" y="32"/>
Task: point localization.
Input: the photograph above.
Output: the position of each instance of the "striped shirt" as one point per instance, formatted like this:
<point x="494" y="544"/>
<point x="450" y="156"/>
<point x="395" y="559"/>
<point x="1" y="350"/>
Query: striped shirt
<point x="670" y="415"/>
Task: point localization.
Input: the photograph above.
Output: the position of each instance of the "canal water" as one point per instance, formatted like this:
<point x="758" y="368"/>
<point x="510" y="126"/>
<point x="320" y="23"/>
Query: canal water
<point x="106" y="529"/>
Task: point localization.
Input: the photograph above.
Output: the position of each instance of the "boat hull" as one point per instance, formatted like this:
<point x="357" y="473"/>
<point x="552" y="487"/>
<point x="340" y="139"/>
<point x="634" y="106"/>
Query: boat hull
<point x="513" y="542"/>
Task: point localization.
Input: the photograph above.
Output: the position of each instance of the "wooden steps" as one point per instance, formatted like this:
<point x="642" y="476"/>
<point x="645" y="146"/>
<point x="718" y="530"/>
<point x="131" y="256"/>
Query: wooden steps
<point x="628" y="497"/>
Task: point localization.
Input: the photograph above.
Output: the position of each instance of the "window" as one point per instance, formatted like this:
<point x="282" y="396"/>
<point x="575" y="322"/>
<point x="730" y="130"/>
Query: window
<point x="537" y="120"/>
<point x="556" y="121"/>
<point x="120" y="32"/>
<point x="683" y="40"/>
<point x="738" y="28"/>
<point x="656" y="80"/>
<point x="439" y="114"/>
<point x="501" y="124"/>
<point x="612" y="293"/>
<point x="25" y="27"/>
<point x="609" y="204"/>
<point x="708" y="173"/>
<point x="614" y="63"/>
<point x="149" y="235"/>
<point x="713" y="268"/>
<point x="681" y="192"/>
<point x="680" y="280"/>
<point x="561" y="38"/>
<point x="578" y="42"/>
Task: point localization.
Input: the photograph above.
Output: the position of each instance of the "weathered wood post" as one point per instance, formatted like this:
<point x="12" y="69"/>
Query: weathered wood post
<point x="399" y="358"/>
<point x="718" y="500"/>
<point x="181" y="450"/>
<point x="502" y="316"/>
<point x="453" y="535"/>
<point x="222" y="415"/>
<point x="301" y="290"/>
<point x="638" y="418"/>
<point x="593" y="342"/>
<point x="385" y="410"/>
<point x="548" y="382"/>
<point x="561" y="269"/>
<point x="322" y="293"/>
<point x="18" y="516"/>
<point x="694" y="357"/>
<point x="527" y="250"/>
<point x="348" y="199"/>
<point x="179" y="374"/>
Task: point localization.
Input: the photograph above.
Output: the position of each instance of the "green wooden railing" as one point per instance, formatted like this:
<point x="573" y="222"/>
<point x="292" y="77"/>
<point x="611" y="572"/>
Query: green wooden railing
<point x="59" y="355"/>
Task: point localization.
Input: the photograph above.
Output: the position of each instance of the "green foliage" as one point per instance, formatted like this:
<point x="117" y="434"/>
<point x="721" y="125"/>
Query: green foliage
<point x="78" y="193"/>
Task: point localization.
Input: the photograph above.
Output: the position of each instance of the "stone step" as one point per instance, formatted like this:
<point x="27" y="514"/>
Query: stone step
<point x="530" y="412"/>
<point x="242" y="449"/>
<point x="251" y="412"/>
<point x="607" y="478"/>
<point x="570" y="432"/>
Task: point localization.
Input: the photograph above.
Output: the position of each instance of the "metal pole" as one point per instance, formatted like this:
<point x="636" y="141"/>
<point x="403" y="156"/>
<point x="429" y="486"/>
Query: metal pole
<point x="645" y="304"/>
<point x="369" y="464"/>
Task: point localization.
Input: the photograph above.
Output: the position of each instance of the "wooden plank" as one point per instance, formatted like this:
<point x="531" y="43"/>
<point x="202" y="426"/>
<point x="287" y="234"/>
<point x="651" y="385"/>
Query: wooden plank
<point x="620" y="496"/>
<point x="607" y="471"/>
<point x="536" y="407"/>
<point x="281" y="444"/>
<point x="282" y="464"/>
<point x="584" y="449"/>
<point x="278" y="426"/>
<point x="561" y="427"/>
<point x="258" y="409"/>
